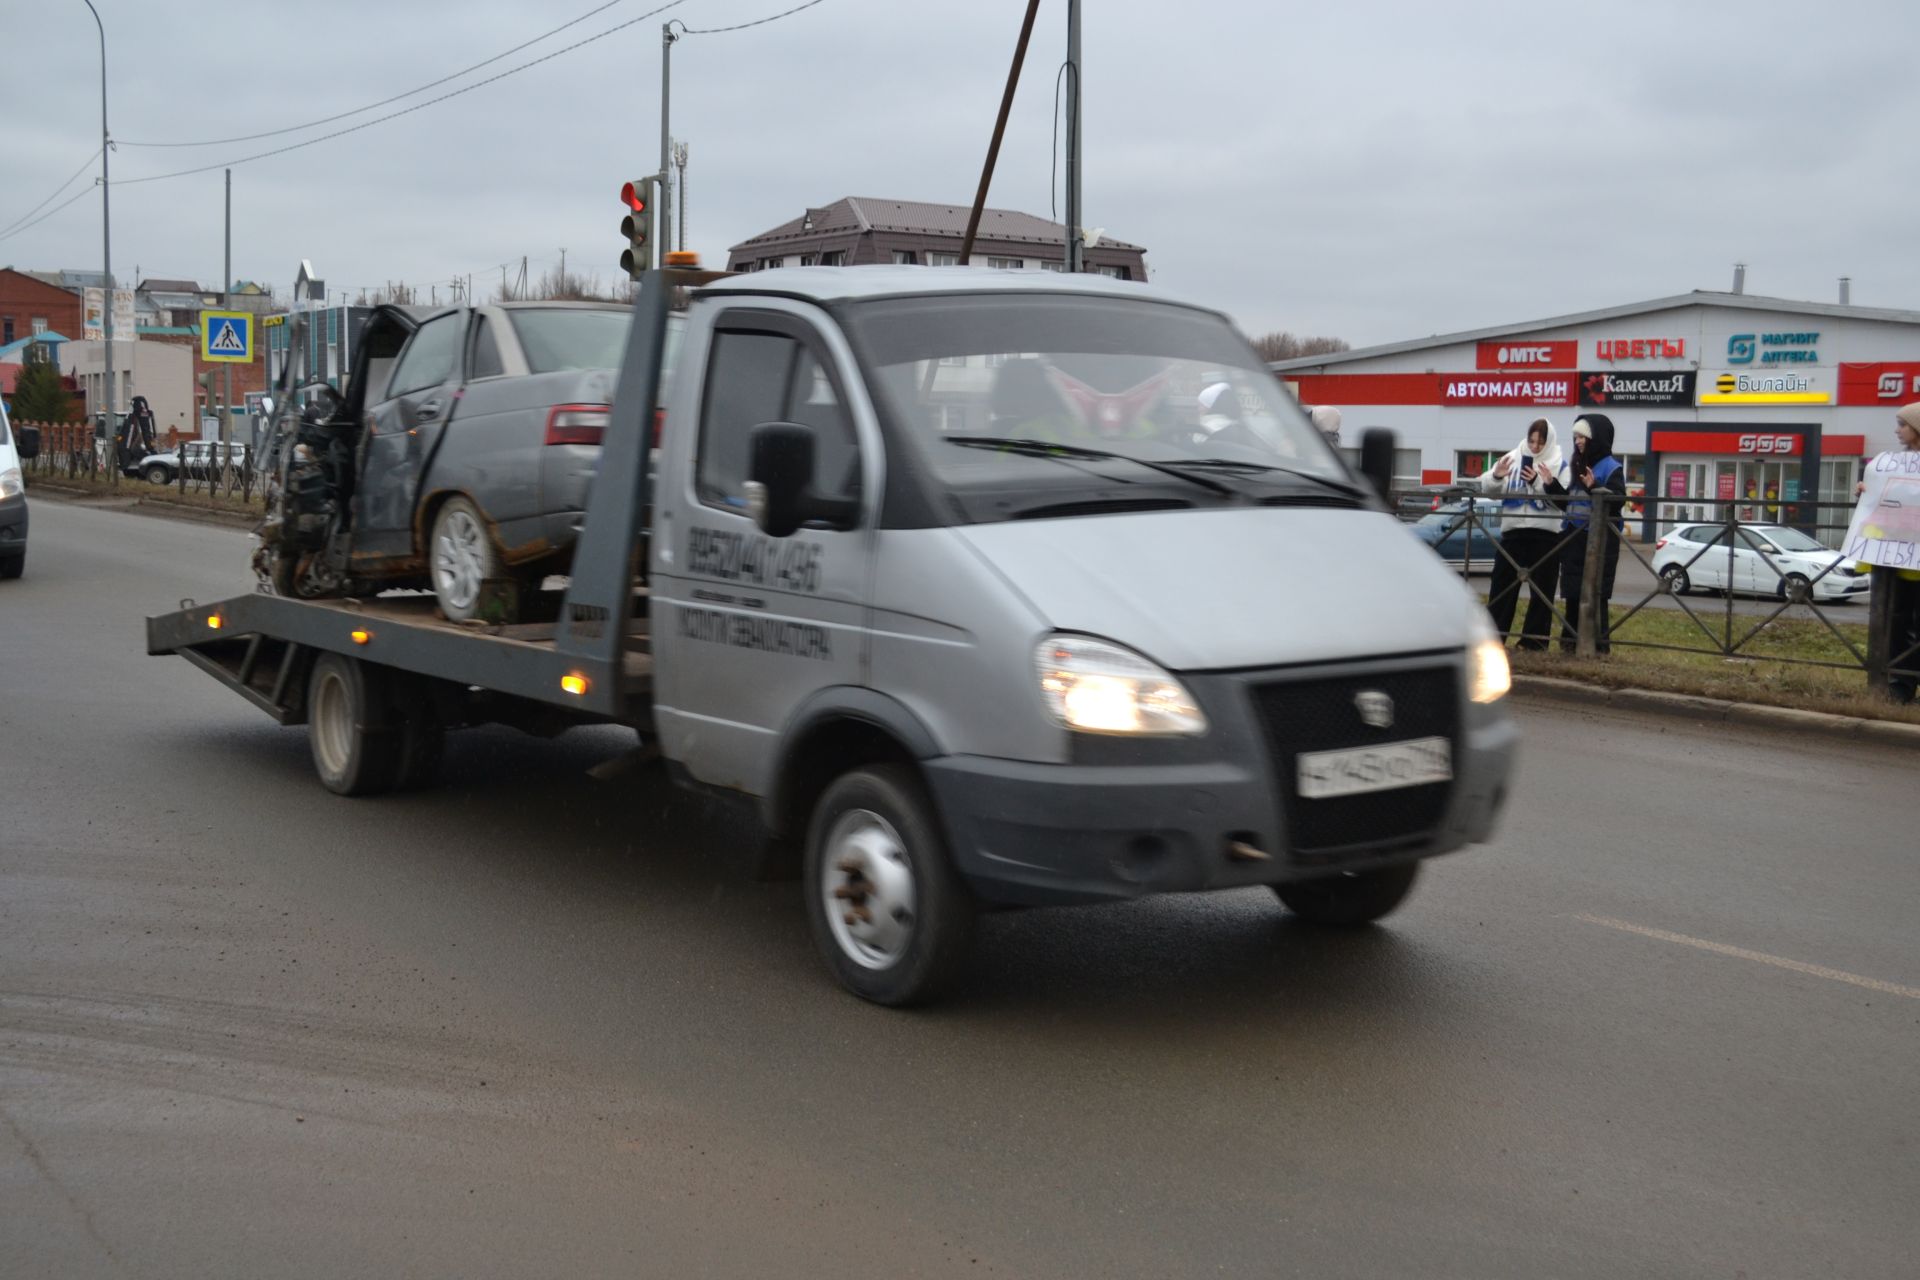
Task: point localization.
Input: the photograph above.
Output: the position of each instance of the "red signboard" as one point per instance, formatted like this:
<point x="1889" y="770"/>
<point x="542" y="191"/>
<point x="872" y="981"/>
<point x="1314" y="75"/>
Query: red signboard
<point x="1435" y="477"/>
<point x="1677" y="483"/>
<point x="1775" y="444"/>
<point x="1640" y="349"/>
<point x="1889" y="384"/>
<point x="1843" y="446"/>
<point x="1369" y="388"/>
<point x="1526" y="353"/>
<point x="1726" y="489"/>
<point x="1507" y="388"/>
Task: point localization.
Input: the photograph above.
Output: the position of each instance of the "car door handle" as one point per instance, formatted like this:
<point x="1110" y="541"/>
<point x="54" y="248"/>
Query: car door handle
<point x="427" y="412"/>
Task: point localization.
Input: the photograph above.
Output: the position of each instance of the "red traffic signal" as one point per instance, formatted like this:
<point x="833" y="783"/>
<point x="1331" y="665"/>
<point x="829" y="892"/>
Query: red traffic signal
<point x="634" y="195"/>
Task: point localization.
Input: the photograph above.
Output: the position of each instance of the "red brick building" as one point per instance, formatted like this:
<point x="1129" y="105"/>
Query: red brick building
<point x="28" y="306"/>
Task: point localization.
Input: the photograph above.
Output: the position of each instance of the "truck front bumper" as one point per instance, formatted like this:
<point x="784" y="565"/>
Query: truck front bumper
<point x="1041" y="834"/>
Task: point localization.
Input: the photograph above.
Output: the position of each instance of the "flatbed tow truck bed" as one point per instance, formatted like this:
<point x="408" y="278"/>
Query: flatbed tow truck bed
<point x="259" y="645"/>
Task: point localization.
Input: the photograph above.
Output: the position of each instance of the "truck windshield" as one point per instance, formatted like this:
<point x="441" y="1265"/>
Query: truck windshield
<point x="1148" y="380"/>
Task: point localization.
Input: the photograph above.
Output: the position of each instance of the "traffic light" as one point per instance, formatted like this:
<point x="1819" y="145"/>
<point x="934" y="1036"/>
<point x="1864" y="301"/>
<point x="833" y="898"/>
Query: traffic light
<point x="637" y="226"/>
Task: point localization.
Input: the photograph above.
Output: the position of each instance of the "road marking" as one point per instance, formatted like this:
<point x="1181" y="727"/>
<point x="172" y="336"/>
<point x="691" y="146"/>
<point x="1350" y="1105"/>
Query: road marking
<point x="1741" y="953"/>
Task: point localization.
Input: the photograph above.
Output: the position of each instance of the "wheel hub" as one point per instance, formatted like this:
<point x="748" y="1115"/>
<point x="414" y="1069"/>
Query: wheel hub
<point x="867" y="885"/>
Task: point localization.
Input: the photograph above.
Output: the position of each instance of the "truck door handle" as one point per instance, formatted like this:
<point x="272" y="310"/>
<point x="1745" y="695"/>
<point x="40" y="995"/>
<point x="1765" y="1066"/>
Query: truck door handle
<point x="427" y="412"/>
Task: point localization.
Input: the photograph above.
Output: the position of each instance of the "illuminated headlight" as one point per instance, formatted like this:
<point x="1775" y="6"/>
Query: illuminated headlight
<point x="11" y="486"/>
<point x="1094" y="686"/>
<point x="1488" y="676"/>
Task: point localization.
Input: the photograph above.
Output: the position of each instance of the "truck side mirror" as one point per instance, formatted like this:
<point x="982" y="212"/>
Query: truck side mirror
<point x="780" y="492"/>
<point x="27" y="441"/>
<point x="1376" y="461"/>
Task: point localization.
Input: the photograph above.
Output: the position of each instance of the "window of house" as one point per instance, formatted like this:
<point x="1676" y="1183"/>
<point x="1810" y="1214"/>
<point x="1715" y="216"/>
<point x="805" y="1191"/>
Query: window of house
<point x="903" y="258"/>
<point x="768" y="264"/>
<point x="943" y="259"/>
<point x="6" y="330"/>
<point x="1048" y="264"/>
<point x="39" y="325"/>
<point x="1006" y="264"/>
<point x="834" y="258"/>
<point x="1118" y="273"/>
<point x="809" y="259"/>
<point x="764" y="377"/>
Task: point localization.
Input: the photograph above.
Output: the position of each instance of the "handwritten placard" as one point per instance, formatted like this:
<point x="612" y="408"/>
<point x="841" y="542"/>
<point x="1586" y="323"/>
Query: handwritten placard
<point x="1886" y="521"/>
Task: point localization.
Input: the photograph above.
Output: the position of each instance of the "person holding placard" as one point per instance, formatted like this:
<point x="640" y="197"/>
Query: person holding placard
<point x="1885" y="532"/>
<point x="1594" y="470"/>
<point x="1529" y="534"/>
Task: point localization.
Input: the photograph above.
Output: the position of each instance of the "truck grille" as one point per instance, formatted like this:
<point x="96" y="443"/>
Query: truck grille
<point x="1320" y="714"/>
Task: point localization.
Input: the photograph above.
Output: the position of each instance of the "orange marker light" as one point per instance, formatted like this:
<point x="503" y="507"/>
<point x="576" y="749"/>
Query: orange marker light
<point x="574" y="683"/>
<point x="215" y="622"/>
<point x="360" y="637"/>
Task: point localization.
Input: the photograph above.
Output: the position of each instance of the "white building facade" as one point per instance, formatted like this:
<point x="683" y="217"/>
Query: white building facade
<point x="1768" y="402"/>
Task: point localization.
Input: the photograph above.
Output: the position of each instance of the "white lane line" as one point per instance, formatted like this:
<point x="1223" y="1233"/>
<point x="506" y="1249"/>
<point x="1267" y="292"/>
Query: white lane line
<point x="1761" y="957"/>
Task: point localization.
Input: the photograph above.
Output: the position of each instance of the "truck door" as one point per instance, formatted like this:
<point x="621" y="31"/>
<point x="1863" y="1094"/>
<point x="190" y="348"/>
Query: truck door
<point x="402" y="431"/>
<point x="745" y="626"/>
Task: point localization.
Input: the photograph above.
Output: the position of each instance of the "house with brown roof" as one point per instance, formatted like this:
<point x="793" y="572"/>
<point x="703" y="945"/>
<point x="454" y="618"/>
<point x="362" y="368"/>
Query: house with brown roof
<point x="858" y="230"/>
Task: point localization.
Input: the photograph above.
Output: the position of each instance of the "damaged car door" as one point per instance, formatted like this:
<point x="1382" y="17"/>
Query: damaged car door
<point x="403" y="430"/>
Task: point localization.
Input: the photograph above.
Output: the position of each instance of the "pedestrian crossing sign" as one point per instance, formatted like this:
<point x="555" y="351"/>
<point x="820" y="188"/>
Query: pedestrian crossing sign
<point x="226" y="335"/>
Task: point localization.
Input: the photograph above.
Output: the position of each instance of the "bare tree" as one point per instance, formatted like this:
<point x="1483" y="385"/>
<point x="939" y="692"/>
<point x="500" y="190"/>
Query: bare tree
<point x="552" y="286"/>
<point x="1285" y="346"/>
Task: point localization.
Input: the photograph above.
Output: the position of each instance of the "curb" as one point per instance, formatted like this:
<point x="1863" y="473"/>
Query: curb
<point x="145" y="505"/>
<point x="1688" y="706"/>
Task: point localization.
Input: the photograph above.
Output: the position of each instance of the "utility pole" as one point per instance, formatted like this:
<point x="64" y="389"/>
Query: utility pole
<point x="665" y="221"/>
<point x="226" y="301"/>
<point x="680" y="164"/>
<point x="106" y="255"/>
<point x="1076" y="251"/>
<point x="563" y="271"/>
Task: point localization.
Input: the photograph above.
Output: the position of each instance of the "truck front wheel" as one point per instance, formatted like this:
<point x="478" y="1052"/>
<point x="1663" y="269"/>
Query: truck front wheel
<point x="891" y="916"/>
<point x="1351" y="898"/>
<point x="355" y="751"/>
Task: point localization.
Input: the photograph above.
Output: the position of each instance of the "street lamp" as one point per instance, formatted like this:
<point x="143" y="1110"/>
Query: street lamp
<point x="106" y="246"/>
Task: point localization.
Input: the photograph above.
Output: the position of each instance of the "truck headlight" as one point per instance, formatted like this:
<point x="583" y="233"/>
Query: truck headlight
<point x="1488" y="675"/>
<point x="11" y="485"/>
<point x="1095" y="686"/>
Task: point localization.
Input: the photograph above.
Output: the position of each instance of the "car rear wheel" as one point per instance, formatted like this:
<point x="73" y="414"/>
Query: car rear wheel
<point x="1351" y="898"/>
<point x="157" y="475"/>
<point x="889" y="913"/>
<point x="1676" y="580"/>
<point x="462" y="557"/>
<point x="356" y="750"/>
<point x="1795" y="588"/>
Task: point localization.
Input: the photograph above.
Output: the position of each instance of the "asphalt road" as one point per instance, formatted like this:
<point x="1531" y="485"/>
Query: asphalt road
<point x="534" y="1024"/>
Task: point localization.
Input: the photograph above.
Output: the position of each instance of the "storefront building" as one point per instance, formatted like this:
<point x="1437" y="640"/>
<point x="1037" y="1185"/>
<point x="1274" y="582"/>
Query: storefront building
<point x="1712" y="396"/>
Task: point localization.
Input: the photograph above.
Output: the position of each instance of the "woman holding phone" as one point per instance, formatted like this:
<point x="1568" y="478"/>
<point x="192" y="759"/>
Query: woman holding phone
<point x="1529" y="534"/>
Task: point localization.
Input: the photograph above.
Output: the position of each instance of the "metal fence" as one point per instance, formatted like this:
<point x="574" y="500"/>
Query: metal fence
<point x="1726" y="549"/>
<point x="70" y="450"/>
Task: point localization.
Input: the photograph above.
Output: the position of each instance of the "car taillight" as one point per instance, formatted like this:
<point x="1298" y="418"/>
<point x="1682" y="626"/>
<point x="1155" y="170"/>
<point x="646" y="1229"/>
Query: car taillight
<point x="659" y="425"/>
<point x="576" y="423"/>
<point x="1658" y="545"/>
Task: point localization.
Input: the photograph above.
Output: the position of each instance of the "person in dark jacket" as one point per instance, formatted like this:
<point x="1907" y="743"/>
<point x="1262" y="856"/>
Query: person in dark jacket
<point x="1593" y="470"/>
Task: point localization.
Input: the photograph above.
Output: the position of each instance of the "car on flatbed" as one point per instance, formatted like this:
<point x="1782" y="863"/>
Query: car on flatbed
<point x="945" y="580"/>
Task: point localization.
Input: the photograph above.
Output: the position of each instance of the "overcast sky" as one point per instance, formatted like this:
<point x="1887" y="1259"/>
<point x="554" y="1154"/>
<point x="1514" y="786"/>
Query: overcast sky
<point x="1369" y="170"/>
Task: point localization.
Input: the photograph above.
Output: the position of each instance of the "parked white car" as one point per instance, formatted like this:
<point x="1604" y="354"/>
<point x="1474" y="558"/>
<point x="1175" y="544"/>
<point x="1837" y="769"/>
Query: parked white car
<point x="1766" y="560"/>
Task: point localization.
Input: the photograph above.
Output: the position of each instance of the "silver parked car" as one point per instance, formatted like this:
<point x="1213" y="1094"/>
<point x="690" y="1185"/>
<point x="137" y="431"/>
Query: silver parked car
<point x="460" y="453"/>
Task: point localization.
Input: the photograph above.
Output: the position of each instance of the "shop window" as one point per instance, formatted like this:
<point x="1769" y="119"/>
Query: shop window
<point x="1472" y="464"/>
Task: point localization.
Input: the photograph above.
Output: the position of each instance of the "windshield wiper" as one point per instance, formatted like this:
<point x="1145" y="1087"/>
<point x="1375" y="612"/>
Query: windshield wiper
<point x="1235" y="464"/>
<point x="1042" y="449"/>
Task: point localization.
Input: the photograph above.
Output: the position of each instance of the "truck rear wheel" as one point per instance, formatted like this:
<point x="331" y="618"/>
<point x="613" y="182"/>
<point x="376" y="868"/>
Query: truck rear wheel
<point x="891" y="916"/>
<point x="1351" y="898"/>
<point x="355" y="750"/>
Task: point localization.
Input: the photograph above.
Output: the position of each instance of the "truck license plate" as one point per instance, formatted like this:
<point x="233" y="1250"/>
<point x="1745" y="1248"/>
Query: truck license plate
<point x="1391" y="765"/>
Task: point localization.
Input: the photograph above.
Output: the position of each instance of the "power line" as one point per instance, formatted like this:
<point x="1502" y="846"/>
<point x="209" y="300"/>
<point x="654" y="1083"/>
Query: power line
<point x="14" y="231"/>
<point x="432" y="84"/>
<point x="8" y="229"/>
<point x="395" y="115"/>
<point x="742" y="26"/>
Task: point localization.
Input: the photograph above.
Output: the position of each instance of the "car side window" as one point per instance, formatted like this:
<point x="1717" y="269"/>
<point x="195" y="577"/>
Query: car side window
<point x="813" y="402"/>
<point x="483" y="358"/>
<point x="747" y="378"/>
<point x="429" y="359"/>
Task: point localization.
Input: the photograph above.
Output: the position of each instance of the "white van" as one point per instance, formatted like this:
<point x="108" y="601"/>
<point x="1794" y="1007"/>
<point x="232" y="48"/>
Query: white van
<point x="13" y="502"/>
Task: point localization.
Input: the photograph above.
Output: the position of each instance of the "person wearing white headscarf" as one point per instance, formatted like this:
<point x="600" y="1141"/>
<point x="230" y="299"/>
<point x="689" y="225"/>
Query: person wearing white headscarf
<point x="1529" y="534"/>
<point x="1326" y="420"/>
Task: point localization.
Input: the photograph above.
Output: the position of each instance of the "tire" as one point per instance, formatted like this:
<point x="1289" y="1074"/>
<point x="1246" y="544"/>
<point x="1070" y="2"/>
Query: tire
<point x="1349" y="899"/>
<point x="1797" y="586"/>
<point x="157" y="475"/>
<point x="13" y="566"/>
<point x="461" y="556"/>
<point x="874" y="846"/>
<point x="1675" y="576"/>
<point x="356" y="749"/>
